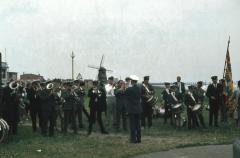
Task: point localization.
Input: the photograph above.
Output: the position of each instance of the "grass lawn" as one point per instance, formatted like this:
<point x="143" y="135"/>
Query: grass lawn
<point x="115" y="145"/>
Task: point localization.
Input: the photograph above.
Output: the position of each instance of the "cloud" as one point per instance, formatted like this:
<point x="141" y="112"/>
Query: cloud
<point x="159" y="38"/>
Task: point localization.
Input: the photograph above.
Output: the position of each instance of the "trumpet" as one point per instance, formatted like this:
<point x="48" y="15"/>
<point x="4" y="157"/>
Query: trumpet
<point x="96" y="91"/>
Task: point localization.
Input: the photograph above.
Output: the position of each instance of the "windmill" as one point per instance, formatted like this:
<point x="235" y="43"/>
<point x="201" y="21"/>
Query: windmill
<point x="102" y="75"/>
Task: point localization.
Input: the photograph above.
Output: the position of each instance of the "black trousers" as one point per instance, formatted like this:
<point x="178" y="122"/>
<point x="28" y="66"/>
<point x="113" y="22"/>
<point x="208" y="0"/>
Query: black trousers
<point x="192" y="119"/>
<point x="34" y="113"/>
<point x="223" y="110"/>
<point x="121" y="115"/>
<point x="200" y="117"/>
<point x="79" y="112"/>
<point x="213" y="114"/>
<point x="135" y="128"/>
<point x="12" y="117"/>
<point x="168" y="114"/>
<point x="48" y="122"/>
<point x="95" y="115"/>
<point x="147" y="113"/>
<point x="69" y="117"/>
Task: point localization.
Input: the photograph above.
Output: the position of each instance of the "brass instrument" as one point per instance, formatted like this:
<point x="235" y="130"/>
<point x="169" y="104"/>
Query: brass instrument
<point x="150" y="98"/>
<point x="96" y="91"/>
<point x="14" y="85"/>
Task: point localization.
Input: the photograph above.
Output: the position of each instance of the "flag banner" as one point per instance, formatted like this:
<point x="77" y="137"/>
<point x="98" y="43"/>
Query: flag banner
<point x="229" y="88"/>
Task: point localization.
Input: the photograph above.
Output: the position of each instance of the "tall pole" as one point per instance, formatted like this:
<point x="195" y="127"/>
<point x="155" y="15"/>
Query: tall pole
<point x="72" y="56"/>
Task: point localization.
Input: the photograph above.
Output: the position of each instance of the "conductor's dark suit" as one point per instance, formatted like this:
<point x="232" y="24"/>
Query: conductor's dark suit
<point x="213" y="91"/>
<point x="134" y="109"/>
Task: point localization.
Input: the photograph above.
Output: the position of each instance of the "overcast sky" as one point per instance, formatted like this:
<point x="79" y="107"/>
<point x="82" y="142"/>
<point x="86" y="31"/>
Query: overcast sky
<point x="160" y="38"/>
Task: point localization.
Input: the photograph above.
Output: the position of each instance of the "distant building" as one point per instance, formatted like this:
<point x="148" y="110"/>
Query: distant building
<point x="31" y="77"/>
<point x="4" y="73"/>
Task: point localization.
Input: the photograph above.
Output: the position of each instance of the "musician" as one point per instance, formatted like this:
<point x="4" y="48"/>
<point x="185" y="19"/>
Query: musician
<point x="34" y="106"/>
<point x="121" y="106"/>
<point x="59" y="108"/>
<point x="69" y="107"/>
<point x="1" y="100"/>
<point x="199" y="95"/>
<point x="134" y="109"/>
<point x="222" y="100"/>
<point x="237" y="104"/>
<point x="10" y="106"/>
<point x="147" y="89"/>
<point x="173" y="100"/>
<point x="181" y="89"/>
<point x="97" y="105"/>
<point x="213" y="95"/>
<point x="111" y="101"/>
<point x="80" y="105"/>
<point x="127" y="82"/>
<point x="190" y="102"/>
<point x="167" y="105"/>
<point x="48" y="109"/>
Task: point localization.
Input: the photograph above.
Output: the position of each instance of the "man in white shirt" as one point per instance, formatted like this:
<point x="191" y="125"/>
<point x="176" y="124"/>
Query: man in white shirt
<point x="111" y="101"/>
<point x="181" y="89"/>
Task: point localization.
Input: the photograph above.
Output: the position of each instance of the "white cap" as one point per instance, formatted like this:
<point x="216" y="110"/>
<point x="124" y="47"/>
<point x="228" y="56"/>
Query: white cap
<point x="134" y="77"/>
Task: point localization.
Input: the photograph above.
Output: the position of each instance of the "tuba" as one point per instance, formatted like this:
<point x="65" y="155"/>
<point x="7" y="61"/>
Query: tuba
<point x="14" y="85"/>
<point x="150" y="98"/>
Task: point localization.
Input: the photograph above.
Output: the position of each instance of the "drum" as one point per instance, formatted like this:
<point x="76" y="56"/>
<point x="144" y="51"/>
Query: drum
<point x="196" y="107"/>
<point x="4" y="129"/>
<point x="177" y="108"/>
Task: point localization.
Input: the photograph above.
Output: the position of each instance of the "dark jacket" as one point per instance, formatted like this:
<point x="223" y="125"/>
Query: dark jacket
<point x="182" y="87"/>
<point x="10" y="105"/>
<point x="189" y="102"/>
<point x="144" y="92"/>
<point x="133" y="100"/>
<point x="47" y="100"/>
<point x="34" y="99"/>
<point x="120" y="99"/>
<point x="199" y="95"/>
<point x="98" y="101"/>
<point x="70" y="102"/>
<point x="165" y="96"/>
<point x="213" y="92"/>
<point x="80" y="93"/>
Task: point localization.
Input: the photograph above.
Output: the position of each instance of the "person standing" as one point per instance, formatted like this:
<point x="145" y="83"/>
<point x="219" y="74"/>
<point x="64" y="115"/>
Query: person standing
<point x="236" y="97"/>
<point x="10" y="106"/>
<point x="34" y="106"/>
<point x="80" y="91"/>
<point x="147" y="90"/>
<point x="190" y="102"/>
<point x="199" y="95"/>
<point x="181" y="89"/>
<point x="121" y="107"/>
<point x="167" y="106"/>
<point x="48" y="110"/>
<point x="69" y="107"/>
<point x="111" y="101"/>
<point x="213" y="95"/>
<point x="97" y="105"/>
<point x="222" y="100"/>
<point x="134" y="109"/>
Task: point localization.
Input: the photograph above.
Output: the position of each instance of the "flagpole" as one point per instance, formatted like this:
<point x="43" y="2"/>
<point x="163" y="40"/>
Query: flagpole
<point x="225" y="59"/>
